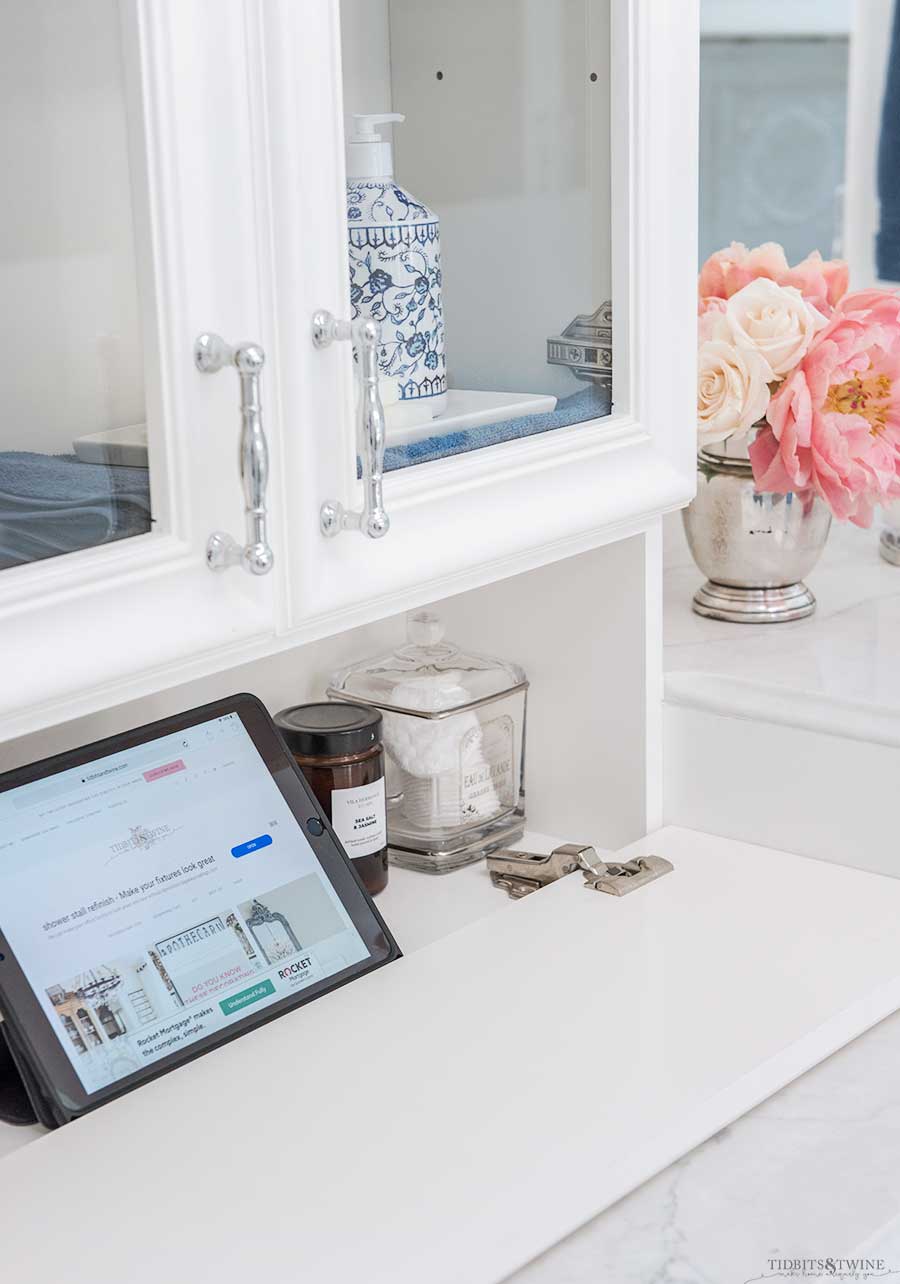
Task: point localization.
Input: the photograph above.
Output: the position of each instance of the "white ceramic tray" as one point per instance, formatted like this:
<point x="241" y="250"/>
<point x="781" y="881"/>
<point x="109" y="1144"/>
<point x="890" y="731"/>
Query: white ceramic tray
<point x="126" y="445"/>
<point x="471" y="409"/>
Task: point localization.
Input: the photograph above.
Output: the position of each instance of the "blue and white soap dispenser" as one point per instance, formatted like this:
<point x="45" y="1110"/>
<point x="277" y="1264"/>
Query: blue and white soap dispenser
<point x="395" y="276"/>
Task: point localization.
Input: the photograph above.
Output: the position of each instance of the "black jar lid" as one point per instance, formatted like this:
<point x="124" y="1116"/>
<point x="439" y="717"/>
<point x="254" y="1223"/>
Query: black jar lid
<point x="329" y="729"/>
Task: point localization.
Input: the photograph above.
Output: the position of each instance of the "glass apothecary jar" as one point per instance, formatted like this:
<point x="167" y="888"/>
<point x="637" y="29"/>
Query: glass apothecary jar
<point x="454" y="736"/>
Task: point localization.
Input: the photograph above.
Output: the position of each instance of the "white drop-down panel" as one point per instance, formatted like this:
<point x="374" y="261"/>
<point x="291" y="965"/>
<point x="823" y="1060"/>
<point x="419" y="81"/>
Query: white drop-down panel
<point x="451" y="1116"/>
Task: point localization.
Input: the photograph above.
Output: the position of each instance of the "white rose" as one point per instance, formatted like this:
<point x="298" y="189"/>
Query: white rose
<point x="773" y="320"/>
<point x="732" y="390"/>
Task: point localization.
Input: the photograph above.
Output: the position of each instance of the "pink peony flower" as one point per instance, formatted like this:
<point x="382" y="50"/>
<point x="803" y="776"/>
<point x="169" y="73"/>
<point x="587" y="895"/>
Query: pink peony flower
<point x="834" y="424"/>
<point x="822" y="284"/>
<point x="729" y="270"/>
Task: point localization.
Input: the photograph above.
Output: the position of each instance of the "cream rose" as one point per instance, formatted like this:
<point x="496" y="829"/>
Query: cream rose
<point x="732" y="390"/>
<point x="774" y="321"/>
<point x="711" y="322"/>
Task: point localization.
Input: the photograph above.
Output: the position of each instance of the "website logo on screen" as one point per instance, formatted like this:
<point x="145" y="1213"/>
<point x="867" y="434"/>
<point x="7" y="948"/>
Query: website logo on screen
<point x="141" y="839"/>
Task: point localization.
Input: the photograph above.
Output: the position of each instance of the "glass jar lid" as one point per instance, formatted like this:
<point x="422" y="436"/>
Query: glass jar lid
<point x="326" y="730"/>
<point x="428" y="677"/>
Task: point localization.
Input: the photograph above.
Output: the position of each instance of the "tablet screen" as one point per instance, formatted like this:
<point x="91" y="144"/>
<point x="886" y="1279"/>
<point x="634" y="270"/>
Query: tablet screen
<point x="158" y="895"/>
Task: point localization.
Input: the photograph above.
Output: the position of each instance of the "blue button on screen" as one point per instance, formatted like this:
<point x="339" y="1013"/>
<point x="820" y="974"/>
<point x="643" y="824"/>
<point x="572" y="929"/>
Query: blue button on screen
<point x="264" y="840"/>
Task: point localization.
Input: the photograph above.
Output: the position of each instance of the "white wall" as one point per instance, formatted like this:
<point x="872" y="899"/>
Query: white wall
<point x="585" y="631"/>
<point x="69" y="329"/>
<point x="512" y="150"/>
<point x="366" y="55"/>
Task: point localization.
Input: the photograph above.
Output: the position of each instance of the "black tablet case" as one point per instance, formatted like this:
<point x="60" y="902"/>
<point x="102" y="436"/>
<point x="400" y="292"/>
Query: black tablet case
<point x="16" y="1101"/>
<point x="22" y="1099"/>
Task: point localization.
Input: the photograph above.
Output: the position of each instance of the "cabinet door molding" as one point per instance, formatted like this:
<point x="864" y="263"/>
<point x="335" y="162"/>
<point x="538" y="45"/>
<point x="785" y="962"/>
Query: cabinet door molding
<point x="238" y="115"/>
<point x="117" y="619"/>
<point x="466" y="520"/>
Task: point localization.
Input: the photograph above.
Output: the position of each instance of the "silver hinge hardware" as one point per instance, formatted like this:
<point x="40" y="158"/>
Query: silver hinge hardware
<point x="520" y="873"/>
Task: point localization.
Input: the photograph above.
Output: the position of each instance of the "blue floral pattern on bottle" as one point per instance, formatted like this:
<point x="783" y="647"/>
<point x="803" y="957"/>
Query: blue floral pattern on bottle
<point x="395" y="277"/>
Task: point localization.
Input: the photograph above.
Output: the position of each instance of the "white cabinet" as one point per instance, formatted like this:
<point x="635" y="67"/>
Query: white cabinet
<point x="79" y="628"/>
<point x="677" y="1012"/>
<point x="477" y="516"/>
<point x="236" y="147"/>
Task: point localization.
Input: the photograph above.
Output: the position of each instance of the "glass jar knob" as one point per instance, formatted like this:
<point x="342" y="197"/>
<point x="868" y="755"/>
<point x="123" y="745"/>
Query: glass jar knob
<point x="423" y="628"/>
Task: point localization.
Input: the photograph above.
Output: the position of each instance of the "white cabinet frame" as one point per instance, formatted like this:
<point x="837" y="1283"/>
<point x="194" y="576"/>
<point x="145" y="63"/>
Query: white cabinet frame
<point x="87" y="628"/>
<point x="245" y="202"/>
<point x="473" y="518"/>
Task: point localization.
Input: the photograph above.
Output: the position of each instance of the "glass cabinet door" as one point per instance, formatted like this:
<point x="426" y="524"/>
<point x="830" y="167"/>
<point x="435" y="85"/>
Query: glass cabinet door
<point x="73" y="442"/>
<point x="527" y="252"/>
<point x="512" y="264"/>
<point x="478" y="215"/>
<point x="131" y="227"/>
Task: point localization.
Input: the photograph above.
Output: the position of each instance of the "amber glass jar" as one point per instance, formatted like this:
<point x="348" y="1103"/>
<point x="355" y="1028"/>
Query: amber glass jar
<point x="338" y="748"/>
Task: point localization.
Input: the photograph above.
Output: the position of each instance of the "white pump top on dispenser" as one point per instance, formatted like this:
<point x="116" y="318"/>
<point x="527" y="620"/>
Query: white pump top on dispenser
<point x="368" y="155"/>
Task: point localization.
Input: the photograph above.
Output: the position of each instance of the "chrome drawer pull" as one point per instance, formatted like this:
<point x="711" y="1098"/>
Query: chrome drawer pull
<point x="365" y="335"/>
<point x="212" y="353"/>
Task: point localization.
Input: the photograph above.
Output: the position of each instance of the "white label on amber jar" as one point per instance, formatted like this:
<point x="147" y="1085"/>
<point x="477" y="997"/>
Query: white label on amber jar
<point x="359" y="819"/>
<point x="486" y="774"/>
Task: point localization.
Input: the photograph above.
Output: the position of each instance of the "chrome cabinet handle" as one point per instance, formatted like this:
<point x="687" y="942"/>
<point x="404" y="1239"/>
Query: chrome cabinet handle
<point x="371" y="520"/>
<point x="212" y="353"/>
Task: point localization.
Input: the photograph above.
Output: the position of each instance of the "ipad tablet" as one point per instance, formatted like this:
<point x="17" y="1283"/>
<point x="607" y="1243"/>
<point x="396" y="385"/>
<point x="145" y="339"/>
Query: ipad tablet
<point x="163" y="891"/>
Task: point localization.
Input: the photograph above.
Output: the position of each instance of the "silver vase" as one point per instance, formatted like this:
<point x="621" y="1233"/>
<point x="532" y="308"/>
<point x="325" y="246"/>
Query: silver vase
<point x="889" y="544"/>
<point x="754" y="548"/>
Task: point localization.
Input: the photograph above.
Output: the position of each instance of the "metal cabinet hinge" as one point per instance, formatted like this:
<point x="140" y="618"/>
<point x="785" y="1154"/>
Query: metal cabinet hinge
<point x="618" y="878"/>
<point x="519" y="873"/>
<point x="585" y="347"/>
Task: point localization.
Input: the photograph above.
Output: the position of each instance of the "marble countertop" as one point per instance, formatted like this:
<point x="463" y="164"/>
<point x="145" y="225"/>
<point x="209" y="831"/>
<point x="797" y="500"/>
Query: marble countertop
<point x="810" y="1173"/>
<point x="843" y="660"/>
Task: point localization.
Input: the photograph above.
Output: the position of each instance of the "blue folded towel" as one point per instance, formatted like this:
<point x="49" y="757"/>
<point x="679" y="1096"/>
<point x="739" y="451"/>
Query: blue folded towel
<point x="52" y="504"/>
<point x="590" y="402"/>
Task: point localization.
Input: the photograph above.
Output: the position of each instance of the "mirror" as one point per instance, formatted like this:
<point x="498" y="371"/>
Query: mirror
<point x="800" y="131"/>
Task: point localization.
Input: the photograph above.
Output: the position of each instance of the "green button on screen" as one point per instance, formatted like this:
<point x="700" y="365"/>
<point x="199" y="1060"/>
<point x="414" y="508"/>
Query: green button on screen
<point x="244" y="998"/>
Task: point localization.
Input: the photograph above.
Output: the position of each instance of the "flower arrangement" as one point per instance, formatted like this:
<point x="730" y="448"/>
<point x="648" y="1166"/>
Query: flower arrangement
<point x="821" y="367"/>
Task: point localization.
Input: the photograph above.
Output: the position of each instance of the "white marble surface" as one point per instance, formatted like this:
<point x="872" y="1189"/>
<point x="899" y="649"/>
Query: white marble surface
<point x="846" y="657"/>
<point x="812" y="1172"/>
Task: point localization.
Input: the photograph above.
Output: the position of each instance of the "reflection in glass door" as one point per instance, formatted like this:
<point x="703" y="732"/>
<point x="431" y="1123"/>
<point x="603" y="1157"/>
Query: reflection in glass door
<point x="773" y="110"/>
<point x="73" y="438"/>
